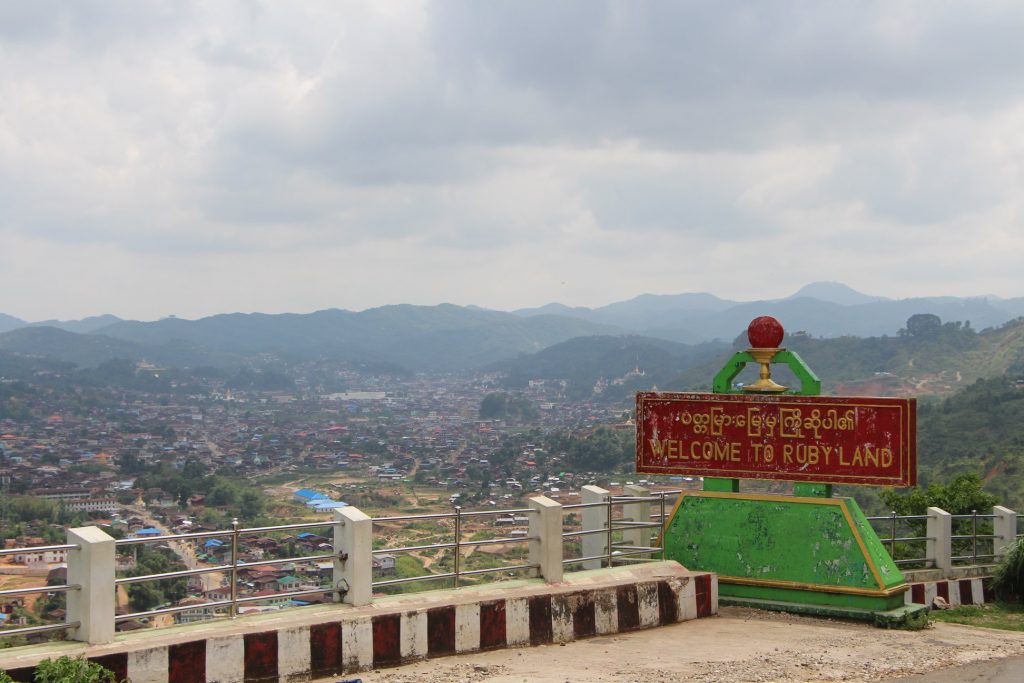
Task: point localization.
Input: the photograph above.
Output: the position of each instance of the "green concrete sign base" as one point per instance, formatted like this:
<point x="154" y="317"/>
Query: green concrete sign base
<point x="807" y="554"/>
<point x="909" y="617"/>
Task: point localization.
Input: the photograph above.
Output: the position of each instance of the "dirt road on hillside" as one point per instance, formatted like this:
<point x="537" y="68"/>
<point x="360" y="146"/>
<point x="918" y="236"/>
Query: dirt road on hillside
<point x="739" y="645"/>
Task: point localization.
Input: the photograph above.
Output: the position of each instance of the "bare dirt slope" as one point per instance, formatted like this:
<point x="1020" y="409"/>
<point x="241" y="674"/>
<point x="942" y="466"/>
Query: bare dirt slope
<point x="739" y="645"/>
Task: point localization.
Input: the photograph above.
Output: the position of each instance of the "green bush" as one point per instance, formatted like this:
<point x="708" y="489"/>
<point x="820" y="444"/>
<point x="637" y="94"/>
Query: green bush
<point x="1008" y="580"/>
<point x="4" y="678"/>
<point x="67" y="670"/>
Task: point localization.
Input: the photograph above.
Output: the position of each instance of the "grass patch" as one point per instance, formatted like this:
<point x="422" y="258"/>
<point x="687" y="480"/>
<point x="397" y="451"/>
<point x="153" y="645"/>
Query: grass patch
<point x="1001" y="615"/>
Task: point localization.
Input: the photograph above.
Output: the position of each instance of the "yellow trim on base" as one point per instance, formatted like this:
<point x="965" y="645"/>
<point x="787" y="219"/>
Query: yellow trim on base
<point x="817" y="587"/>
<point x="838" y="502"/>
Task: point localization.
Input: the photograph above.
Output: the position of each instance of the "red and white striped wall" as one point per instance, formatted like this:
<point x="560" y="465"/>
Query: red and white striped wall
<point x="391" y="632"/>
<point x="954" y="591"/>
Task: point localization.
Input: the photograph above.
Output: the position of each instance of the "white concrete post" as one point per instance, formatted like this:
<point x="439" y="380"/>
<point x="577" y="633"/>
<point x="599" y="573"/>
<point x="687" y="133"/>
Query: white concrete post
<point x="353" y="545"/>
<point x="546" y="538"/>
<point x="595" y="518"/>
<point x="637" y="512"/>
<point x="1004" y="528"/>
<point x="939" y="545"/>
<point x="92" y="568"/>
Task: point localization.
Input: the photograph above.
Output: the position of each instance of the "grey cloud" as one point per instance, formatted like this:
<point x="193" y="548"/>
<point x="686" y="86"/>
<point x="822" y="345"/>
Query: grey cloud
<point x="90" y="25"/>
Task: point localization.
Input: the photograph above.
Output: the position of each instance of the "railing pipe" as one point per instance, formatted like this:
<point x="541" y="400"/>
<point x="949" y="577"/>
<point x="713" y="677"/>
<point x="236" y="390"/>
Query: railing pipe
<point x="39" y="589"/>
<point x="234" y="568"/>
<point x="609" y="526"/>
<point x="458" y="539"/>
<point x="661" y="525"/>
<point x="27" y="630"/>
<point x="38" y="549"/>
<point x="170" y="575"/>
<point x="170" y="537"/>
<point x="892" y="535"/>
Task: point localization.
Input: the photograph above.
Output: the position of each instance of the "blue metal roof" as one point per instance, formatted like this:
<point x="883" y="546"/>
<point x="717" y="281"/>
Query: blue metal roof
<point x="309" y="493"/>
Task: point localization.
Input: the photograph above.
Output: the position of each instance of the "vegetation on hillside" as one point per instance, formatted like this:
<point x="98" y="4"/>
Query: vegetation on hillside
<point x="502" y="406"/>
<point x="981" y="429"/>
<point x="924" y="349"/>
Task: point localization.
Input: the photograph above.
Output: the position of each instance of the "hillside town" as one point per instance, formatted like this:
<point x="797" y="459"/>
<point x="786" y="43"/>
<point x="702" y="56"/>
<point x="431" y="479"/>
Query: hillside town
<point x="143" y="464"/>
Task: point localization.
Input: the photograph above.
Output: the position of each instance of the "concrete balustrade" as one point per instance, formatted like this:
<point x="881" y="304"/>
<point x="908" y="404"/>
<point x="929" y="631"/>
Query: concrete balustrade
<point x="1004" y="528"/>
<point x="939" y="546"/>
<point x="640" y="512"/>
<point x="594" y="518"/>
<point x="546" y="538"/>
<point x="92" y="566"/>
<point x="353" y="564"/>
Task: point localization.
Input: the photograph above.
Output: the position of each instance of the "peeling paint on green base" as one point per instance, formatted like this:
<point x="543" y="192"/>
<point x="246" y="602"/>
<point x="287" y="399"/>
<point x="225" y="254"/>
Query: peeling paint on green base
<point x="814" y="553"/>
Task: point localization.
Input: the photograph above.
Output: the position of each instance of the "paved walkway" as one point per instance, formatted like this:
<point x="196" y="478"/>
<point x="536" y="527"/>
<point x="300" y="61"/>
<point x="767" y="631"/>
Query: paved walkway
<point x="741" y="645"/>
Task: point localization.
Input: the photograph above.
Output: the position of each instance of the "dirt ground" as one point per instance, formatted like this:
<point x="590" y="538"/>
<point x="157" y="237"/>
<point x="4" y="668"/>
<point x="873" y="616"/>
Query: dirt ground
<point x="740" y="645"/>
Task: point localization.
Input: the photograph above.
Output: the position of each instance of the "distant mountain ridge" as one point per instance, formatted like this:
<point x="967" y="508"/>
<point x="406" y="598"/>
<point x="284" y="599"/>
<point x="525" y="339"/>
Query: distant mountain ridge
<point x="824" y="309"/>
<point x="835" y="292"/>
<point x="442" y="338"/>
<point x="448" y="338"/>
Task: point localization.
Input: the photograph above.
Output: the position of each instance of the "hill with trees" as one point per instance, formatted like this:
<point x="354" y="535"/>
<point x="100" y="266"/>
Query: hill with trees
<point x="609" y="367"/>
<point x="926" y="357"/>
<point x="443" y="338"/>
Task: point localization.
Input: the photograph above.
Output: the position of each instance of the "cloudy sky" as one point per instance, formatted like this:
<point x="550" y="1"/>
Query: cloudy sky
<point x="194" y="158"/>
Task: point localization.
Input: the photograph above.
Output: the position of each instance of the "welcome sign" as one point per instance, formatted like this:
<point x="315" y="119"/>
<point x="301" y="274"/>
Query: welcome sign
<point x="837" y="440"/>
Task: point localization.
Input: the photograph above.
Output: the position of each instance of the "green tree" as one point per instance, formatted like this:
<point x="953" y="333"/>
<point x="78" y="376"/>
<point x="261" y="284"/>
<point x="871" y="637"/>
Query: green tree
<point x="923" y="325"/>
<point x="959" y="497"/>
<point x="251" y="505"/>
<point x="493" y="406"/>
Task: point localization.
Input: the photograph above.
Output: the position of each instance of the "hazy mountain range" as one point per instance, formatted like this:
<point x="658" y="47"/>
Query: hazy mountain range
<point x="449" y="338"/>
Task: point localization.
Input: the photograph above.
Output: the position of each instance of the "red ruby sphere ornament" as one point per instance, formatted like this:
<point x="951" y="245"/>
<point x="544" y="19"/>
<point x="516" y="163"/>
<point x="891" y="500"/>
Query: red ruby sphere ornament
<point x="765" y="332"/>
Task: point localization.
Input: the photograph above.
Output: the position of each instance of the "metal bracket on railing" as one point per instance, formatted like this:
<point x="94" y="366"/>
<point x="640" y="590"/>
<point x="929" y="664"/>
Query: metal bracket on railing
<point x="342" y="586"/>
<point x="343" y="557"/>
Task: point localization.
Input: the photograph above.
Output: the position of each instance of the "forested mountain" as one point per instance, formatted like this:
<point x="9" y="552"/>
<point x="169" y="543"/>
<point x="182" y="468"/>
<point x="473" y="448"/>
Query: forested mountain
<point x="935" y="359"/>
<point x="611" y="366"/>
<point x="420" y="338"/>
<point x="821" y="309"/>
<point x="979" y="429"/>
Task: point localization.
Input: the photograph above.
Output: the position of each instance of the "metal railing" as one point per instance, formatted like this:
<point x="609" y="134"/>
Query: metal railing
<point x="233" y="565"/>
<point x="973" y="537"/>
<point x="17" y="592"/>
<point x="456" y="545"/>
<point x="893" y="522"/>
<point x="615" y="530"/>
<point x="620" y="551"/>
<point x="232" y="568"/>
<point x="968" y="543"/>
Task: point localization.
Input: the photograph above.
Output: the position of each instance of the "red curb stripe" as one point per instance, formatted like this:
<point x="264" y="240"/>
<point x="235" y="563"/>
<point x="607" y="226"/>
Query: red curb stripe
<point x="493" y="625"/>
<point x="261" y="657"/>
<point x="118" y="663"/>
<point x="25" y="674"/>
<point x="628" y="608"/>
<point x="702" y="583"/>
<point x="966" y="592"/>
<point x="186" y="662"/>
<point x="668" y="608"/>
<point x="325" y="649"/>
<point x="584" y="620"/>
<point x="441" y="631"/>
<point x="387" y="632"/>
<point x="541" y="628"/>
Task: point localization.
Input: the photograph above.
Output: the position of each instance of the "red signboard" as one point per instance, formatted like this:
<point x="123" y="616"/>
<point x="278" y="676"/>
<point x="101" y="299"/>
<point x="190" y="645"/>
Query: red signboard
<point x="837" y="440"/>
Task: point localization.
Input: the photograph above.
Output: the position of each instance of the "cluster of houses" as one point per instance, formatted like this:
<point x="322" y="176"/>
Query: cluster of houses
<point x="86" y="456"/>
